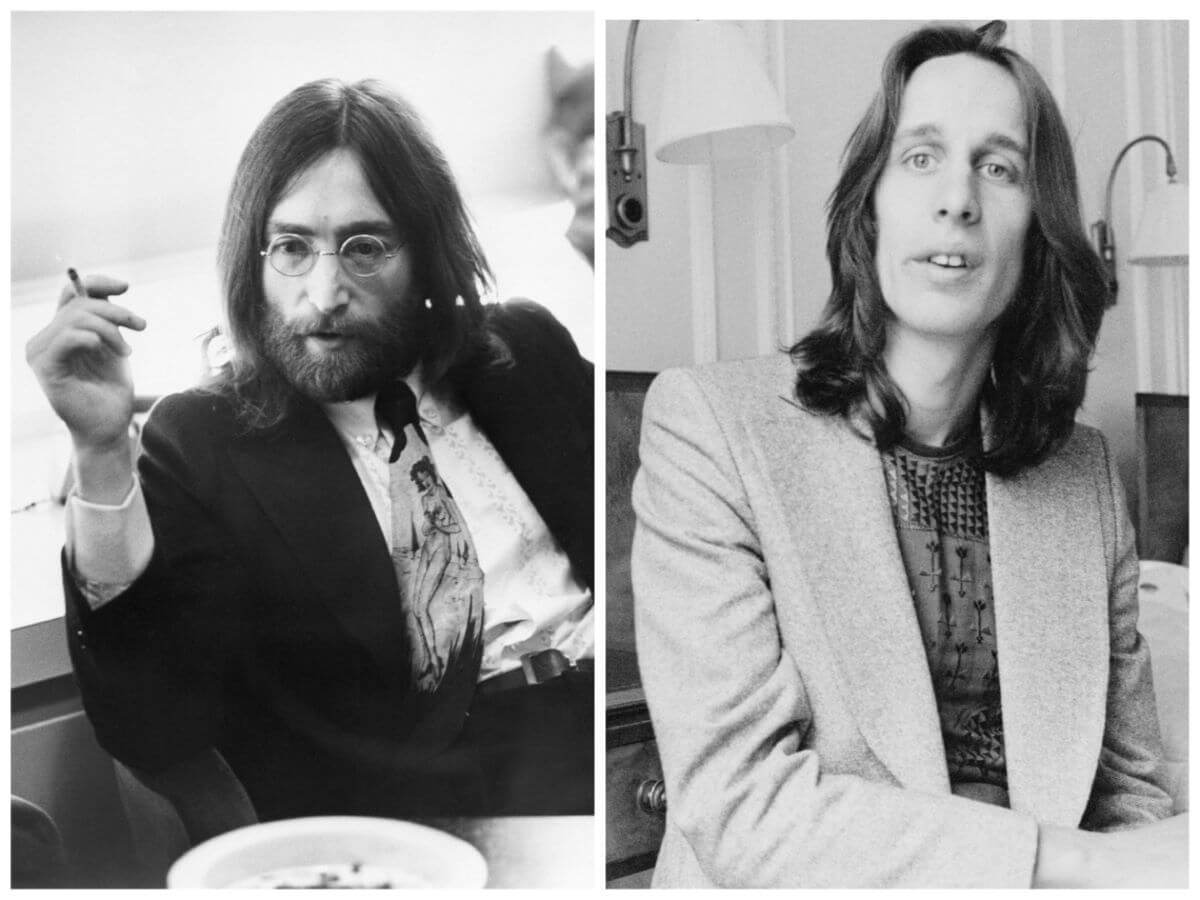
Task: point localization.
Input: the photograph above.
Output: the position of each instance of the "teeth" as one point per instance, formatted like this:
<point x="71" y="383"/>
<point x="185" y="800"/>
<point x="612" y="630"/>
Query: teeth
<point x="953" y="261"/>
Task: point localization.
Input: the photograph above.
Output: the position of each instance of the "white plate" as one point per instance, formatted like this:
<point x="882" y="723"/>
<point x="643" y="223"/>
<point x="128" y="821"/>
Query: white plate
<point x="424" y="856"/>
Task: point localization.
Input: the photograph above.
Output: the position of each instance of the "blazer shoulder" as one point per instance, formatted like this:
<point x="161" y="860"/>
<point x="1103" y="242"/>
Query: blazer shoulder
<point x="742" y="408"/>
<point x="742" y="378"/>
<point x="732" y="390"/>
<point x="528" y="329"/>
<point x="1091" y="458"/>
<point x="1083" y="471"/>
<point x="1086" y="439"/>
<point x="1084" y="452"/>
<point x="190" y="419"/>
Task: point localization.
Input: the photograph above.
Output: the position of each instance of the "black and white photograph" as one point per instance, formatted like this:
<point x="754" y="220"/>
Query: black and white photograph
<point x="302" y="487"/>
<point x="896" y="424"/>
<point x="342" y="350"/>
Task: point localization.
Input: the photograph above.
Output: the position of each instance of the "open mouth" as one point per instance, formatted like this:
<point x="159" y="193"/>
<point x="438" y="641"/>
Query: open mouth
<point x="948" y="261"/>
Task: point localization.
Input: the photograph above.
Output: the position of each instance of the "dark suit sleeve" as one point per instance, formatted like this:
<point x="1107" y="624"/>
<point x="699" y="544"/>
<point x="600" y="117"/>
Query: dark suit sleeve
<point x="149" y="663"/>
<point x="1130" y="787"/>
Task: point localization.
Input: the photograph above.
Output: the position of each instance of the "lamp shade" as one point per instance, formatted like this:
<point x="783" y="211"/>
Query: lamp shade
<point x="1162" y="236"/>
<point x="717" y="102"/>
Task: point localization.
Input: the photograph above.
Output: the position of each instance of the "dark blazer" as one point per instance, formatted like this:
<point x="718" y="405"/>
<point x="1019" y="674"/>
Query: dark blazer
<point x="267" y="623"/>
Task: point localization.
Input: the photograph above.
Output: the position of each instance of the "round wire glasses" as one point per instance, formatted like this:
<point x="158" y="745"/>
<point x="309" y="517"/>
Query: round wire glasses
<point x="363" y="255"/>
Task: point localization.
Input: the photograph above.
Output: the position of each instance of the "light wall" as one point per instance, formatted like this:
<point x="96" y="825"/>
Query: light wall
<point x="1113" y="80"/>
<point x="647" y="305"/>
<point x="126" y="128"/>
<point x="127" y="125"/>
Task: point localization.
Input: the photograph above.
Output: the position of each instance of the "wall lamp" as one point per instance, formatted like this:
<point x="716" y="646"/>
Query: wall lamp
<point x="1162" y="235"/>
<point x="717" y="104"/>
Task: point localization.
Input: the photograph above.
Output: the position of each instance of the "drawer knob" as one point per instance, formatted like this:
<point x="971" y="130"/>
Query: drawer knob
<point x="652" y="797"/>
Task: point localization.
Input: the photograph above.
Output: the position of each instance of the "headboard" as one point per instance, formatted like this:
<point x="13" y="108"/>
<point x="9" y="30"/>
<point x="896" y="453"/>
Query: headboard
<point x="624" y="394"/>
<point x="1162" y="492"/>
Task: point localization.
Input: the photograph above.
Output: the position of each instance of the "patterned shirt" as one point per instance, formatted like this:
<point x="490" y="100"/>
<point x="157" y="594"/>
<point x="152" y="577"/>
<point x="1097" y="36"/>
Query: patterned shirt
<point x="939" y="506"/>
<point x="532" y="599"/>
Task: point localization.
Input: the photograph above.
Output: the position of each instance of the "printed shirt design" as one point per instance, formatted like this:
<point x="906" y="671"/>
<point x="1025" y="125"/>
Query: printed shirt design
<point x="441" y="583"/>
<point x="939" y="505"/>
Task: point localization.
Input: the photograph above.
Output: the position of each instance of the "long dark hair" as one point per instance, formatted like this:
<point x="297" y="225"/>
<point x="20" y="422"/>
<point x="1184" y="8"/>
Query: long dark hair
<point x="412" y="181"/>
<point x="1047" y="334"/>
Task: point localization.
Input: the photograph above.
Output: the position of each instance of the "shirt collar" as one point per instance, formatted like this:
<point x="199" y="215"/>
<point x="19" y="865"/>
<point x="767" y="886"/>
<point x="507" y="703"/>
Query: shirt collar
<point x="355" y="419"/>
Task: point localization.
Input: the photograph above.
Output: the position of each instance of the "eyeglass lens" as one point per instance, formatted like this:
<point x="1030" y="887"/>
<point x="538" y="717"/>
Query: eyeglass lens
<point x="361" y="254"/>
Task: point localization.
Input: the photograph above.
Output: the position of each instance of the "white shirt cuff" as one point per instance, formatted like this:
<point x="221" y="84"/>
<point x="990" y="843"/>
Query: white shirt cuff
<point x="108" y="547"/>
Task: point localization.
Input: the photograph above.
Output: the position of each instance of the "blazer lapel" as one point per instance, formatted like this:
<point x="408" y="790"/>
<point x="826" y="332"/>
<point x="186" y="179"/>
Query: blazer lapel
<point x="307" y="486"/>
<point x="1051" y="609"/>
<point x="851" y="566"/>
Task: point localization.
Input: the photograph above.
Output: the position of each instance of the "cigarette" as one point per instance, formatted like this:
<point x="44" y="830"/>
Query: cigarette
<point x="76" y="283"/>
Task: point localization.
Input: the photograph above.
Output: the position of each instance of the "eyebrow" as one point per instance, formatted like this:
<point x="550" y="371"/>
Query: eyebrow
<point x="994" y="139"/>
<point x="361" y="226"/>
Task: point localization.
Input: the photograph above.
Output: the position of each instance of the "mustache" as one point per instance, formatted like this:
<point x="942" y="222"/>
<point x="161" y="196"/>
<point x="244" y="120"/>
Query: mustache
<point x="349" y="326"/>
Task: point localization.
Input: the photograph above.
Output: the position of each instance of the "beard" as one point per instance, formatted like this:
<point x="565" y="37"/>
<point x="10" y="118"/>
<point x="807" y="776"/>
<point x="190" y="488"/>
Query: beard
<point x="373" y="351"/>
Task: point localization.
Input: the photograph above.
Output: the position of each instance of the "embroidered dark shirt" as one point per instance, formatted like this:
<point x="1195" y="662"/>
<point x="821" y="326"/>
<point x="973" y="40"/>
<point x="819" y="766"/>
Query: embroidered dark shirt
<point x="939" y="506"/>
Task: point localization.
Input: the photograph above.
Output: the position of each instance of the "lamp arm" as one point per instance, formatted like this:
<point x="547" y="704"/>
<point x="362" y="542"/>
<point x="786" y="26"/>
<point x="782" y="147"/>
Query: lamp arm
<point x="626" y="150"/>
<point x="629" y="42"/>
<point x="1112" y="175"/>
<point x="1102" y="230"/>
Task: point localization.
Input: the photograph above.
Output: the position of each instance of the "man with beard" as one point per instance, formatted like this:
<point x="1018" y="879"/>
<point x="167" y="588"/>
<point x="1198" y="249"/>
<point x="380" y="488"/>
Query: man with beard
<point x="268" y="584"/>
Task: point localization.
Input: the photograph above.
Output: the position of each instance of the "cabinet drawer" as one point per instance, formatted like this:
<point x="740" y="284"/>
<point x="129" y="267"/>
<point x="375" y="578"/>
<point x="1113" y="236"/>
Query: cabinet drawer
<point x="633" y="832"/>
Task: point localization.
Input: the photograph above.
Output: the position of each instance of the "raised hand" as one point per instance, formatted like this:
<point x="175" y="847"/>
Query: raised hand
<point x="80" y="360"/>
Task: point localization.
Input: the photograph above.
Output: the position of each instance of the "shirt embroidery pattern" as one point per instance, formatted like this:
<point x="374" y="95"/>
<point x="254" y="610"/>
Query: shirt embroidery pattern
<point x="939" y="506"/>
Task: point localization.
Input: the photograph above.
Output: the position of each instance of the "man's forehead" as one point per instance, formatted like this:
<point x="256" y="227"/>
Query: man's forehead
<point x="332" y="193"/>
<point x="947" y="95"/>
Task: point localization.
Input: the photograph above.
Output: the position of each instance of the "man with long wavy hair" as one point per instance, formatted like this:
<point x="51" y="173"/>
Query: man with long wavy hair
<point x="912" y="572"/>
<point x="266" y="584"/>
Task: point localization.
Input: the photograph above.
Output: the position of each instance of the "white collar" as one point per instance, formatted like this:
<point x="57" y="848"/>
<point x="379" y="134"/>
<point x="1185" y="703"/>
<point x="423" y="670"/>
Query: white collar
<point x="356" y="418"/>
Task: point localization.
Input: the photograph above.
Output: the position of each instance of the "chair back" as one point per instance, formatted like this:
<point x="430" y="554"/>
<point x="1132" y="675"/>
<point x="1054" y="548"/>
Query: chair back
<point x="1162" y="491"/>
<point x="625" y="392"/>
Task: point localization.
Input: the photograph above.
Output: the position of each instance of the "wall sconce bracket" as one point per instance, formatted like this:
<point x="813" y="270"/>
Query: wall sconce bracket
<point x="628" y="212"/>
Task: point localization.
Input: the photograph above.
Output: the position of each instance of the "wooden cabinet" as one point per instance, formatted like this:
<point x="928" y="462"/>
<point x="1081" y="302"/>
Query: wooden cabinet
<point x="635" y="796"/>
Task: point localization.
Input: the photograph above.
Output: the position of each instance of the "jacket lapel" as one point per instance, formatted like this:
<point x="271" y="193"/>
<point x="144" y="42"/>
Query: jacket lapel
<point x="1051" y="621"/>
<point x="304" y="480"/>
<point x="851" y="567"/>
<point x="1050" y="590"/>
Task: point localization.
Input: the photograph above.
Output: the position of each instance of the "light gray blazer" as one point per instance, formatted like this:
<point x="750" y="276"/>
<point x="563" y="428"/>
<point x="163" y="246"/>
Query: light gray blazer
<point x="784" y="669"/>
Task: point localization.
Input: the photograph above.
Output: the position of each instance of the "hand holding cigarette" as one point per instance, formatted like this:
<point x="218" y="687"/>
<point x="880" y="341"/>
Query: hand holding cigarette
<point x="76" y="283"/>
<point x="80" y="362"/>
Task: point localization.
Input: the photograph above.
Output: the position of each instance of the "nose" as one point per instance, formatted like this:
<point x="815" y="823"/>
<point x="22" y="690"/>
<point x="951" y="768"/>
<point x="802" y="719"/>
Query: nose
<point x="325" y="285"/>
<point x="958" y="198"/>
